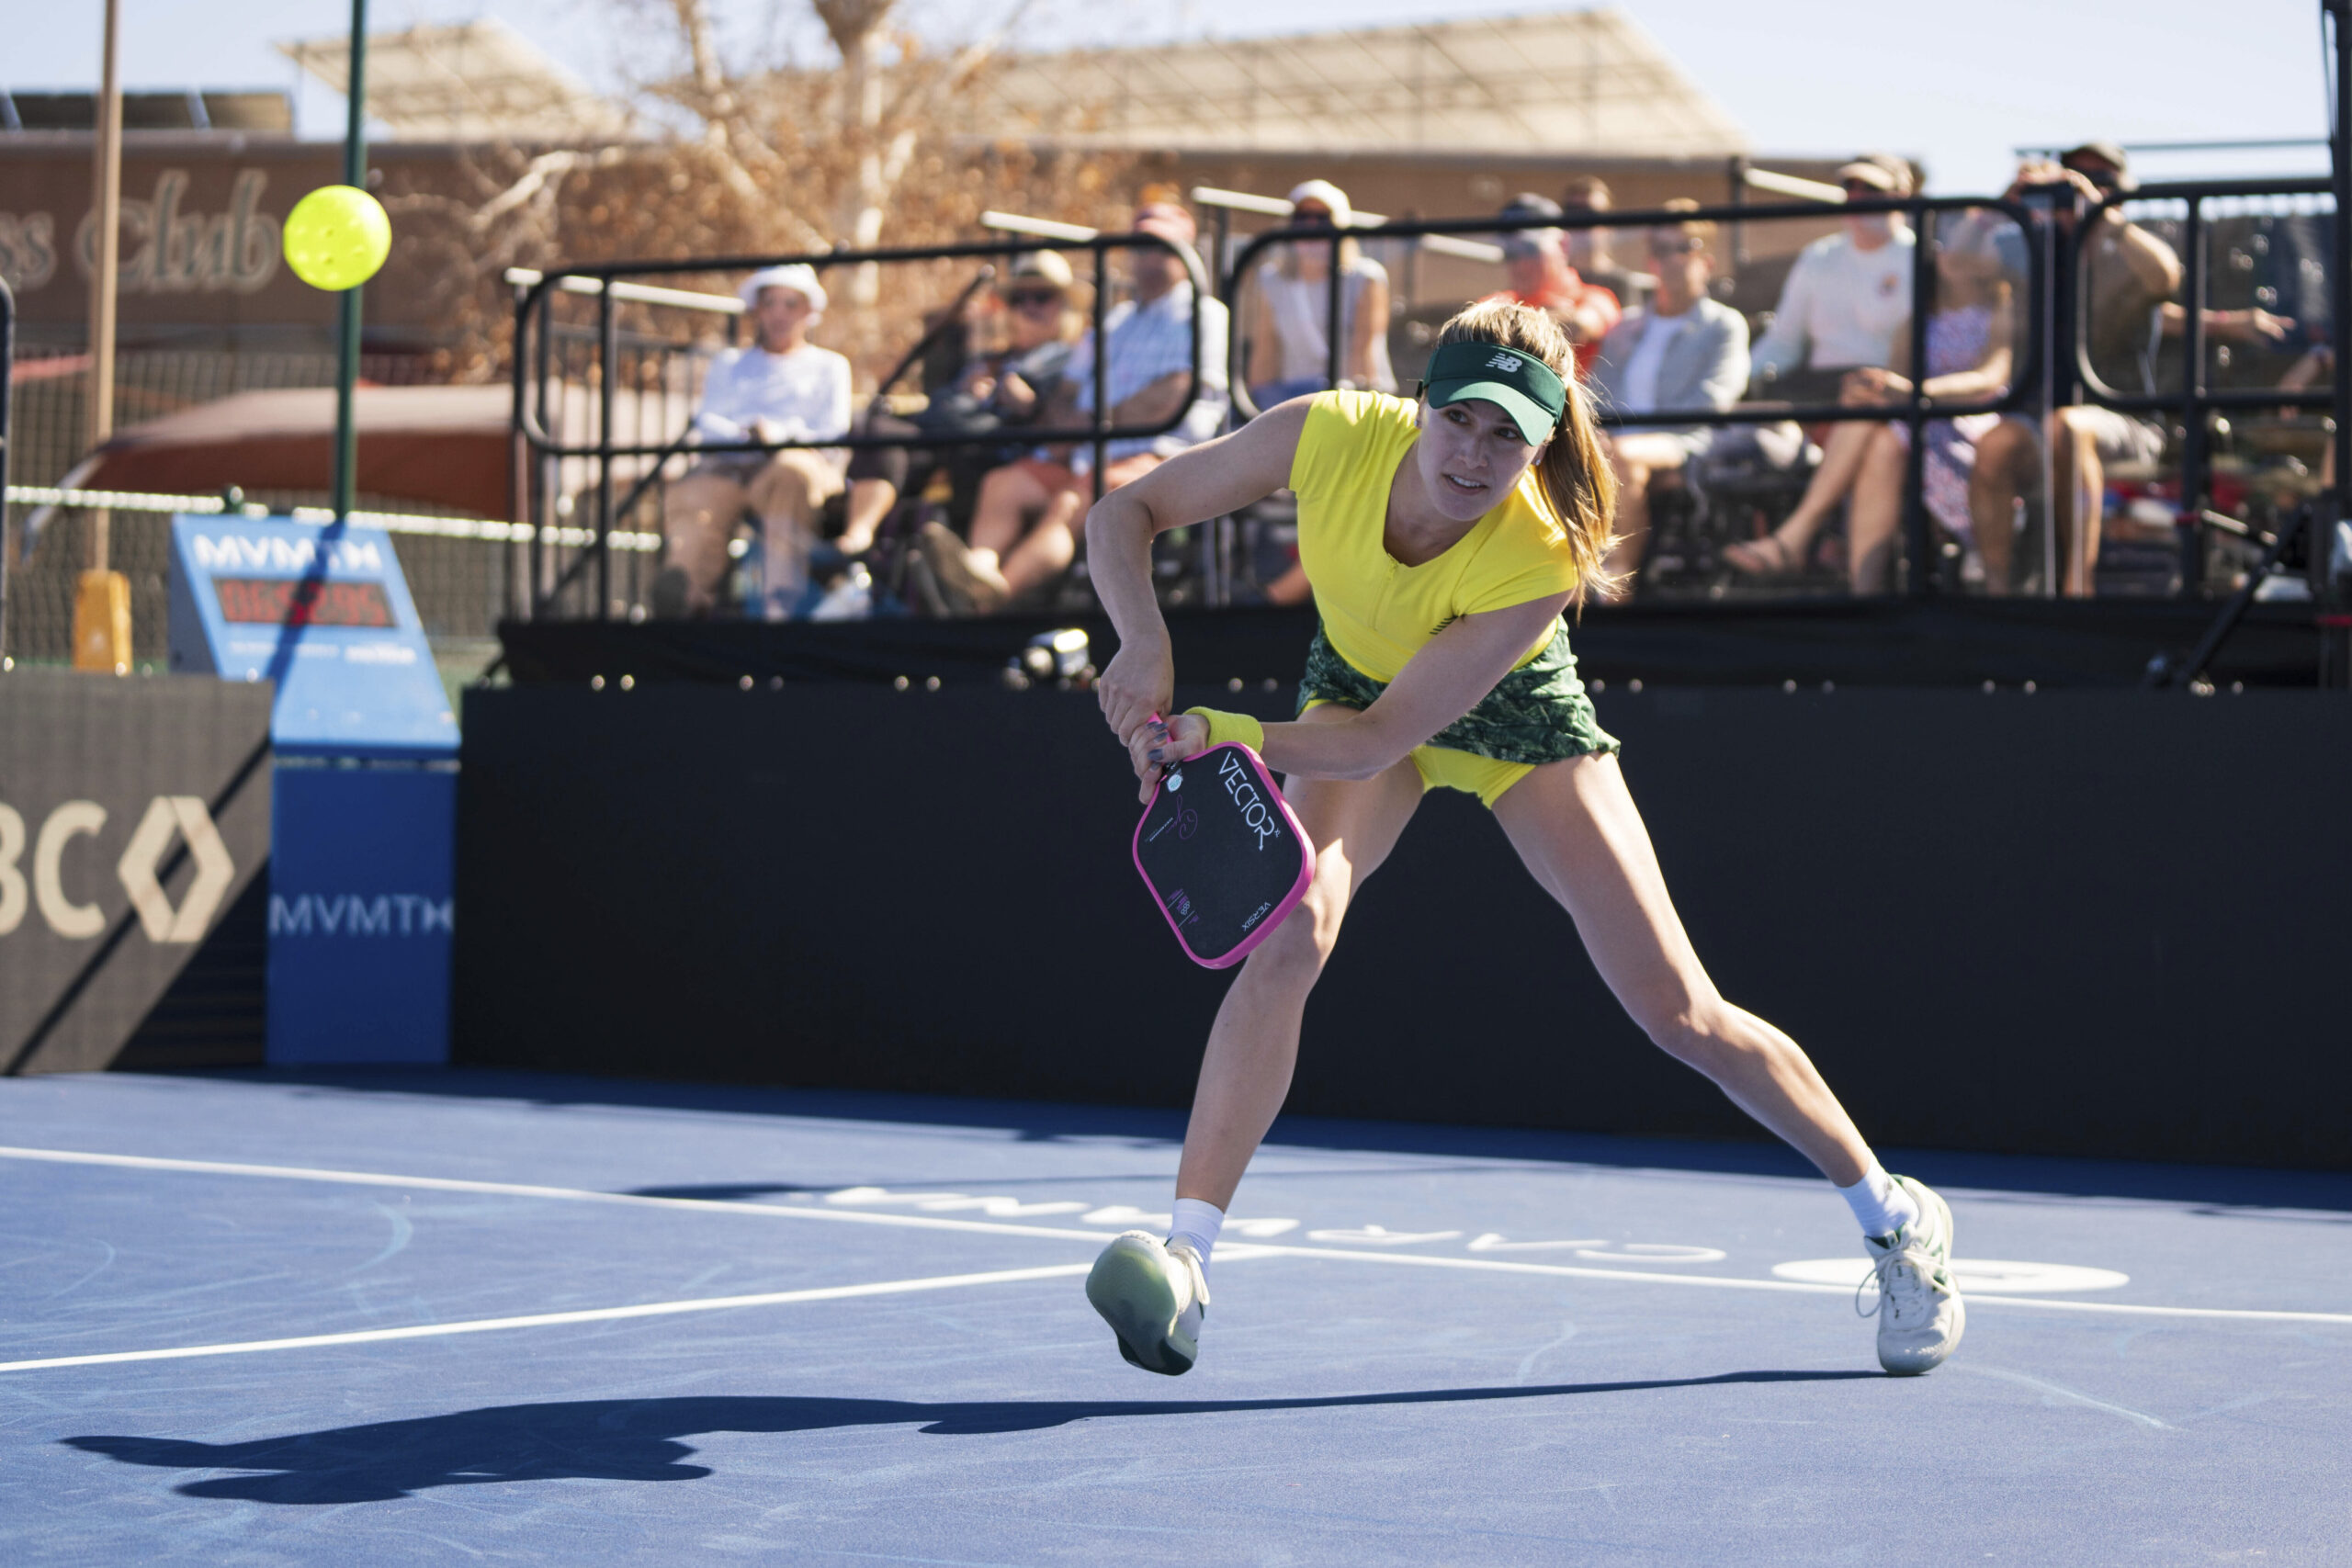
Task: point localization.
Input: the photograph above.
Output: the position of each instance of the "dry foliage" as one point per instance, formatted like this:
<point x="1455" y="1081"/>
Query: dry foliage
<point x="879" y="146"/>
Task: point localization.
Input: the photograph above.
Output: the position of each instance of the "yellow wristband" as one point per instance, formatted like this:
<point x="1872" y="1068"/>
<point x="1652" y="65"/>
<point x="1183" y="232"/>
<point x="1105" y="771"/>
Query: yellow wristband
<point x="1224" y="727"/>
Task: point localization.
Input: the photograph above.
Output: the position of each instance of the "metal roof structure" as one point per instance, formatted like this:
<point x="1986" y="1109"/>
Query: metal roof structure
<point x="1587" y="81"/>
<point x="473" y="82"/>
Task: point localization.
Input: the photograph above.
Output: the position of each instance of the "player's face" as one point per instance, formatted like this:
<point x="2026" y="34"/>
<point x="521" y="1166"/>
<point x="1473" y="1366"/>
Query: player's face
<point x="1471" y="456"/>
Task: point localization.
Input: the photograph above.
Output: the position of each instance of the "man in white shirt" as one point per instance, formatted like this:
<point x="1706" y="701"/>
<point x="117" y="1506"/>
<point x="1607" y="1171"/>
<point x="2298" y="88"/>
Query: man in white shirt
<point x="1845" y="298"/>
<point x="1684" y="351"/>
<point x="783" y="387"/>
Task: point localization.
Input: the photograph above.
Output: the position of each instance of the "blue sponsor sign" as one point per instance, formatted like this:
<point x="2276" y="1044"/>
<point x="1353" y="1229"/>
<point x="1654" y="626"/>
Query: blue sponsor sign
<point x="364" y="804"/>
<point x="322" y="609"/>
<point x="362" y="908"/>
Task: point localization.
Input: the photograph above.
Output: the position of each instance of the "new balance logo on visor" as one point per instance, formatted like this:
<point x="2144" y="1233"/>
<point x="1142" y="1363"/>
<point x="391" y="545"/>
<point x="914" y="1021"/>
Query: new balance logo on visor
<point x="1503" y="361"/>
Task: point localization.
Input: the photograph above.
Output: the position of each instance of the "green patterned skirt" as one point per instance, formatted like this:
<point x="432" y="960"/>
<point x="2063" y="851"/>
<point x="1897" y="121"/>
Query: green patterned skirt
<point x="1538" y="712"/>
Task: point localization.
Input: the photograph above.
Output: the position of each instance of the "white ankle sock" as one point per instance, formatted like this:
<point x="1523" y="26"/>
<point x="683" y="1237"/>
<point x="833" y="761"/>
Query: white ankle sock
<point x="1196" y="1225"/>
<point x="1880" y="1206"/>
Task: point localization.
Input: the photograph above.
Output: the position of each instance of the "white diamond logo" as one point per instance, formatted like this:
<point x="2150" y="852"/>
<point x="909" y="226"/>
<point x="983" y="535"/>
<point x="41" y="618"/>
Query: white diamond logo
<point x="184" y="815"/>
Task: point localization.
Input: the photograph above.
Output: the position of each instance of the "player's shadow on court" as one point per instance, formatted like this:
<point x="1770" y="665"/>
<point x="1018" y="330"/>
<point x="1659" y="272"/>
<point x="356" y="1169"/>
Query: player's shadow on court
<point x="637" y="1440"/>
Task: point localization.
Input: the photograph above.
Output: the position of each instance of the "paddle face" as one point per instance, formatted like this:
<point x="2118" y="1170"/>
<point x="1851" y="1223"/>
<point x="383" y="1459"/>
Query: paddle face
<point x="1223" y="854"/>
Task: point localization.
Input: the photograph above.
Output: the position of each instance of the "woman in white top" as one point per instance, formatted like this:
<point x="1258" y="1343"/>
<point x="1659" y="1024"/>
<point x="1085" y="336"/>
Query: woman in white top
<point x="783" y="387"/>
<point x="1290" y="351"/>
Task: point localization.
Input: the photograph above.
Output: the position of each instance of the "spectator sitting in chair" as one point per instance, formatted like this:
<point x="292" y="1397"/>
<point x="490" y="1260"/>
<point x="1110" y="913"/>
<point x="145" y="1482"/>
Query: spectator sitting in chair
<point x="1002" y="389"/>
<point x="1970" y="338"/>
<point x="1025" y="531"/>
<point x="783" y="387"/>
<point x="2129" y="278"/>
<point x="1844" y="297"/>
<point x="1686" y="350"/>
<point x="1536" y="262"/>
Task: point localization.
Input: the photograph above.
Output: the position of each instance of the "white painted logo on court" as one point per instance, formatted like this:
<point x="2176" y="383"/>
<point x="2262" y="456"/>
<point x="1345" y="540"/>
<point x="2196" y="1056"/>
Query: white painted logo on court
<point x="1502" y="361"/>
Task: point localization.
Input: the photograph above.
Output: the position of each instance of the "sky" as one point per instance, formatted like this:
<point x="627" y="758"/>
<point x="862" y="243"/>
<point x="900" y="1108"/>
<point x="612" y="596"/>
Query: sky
<point x="1955" y="85"/>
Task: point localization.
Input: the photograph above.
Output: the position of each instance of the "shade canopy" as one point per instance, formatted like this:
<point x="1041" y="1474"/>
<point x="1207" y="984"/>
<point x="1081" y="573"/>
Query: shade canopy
<point x="450" y="447"/>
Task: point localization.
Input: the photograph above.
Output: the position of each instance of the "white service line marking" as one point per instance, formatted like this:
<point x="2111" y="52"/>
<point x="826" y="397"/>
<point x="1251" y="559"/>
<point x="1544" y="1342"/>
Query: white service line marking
<point x="553" y="1319"/>
<point x="564" y="1194"/>
<point x="921" y="1221"/>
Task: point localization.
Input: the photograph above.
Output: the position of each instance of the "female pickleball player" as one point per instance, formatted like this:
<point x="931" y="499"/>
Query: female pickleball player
<point x="1442" y="538"/>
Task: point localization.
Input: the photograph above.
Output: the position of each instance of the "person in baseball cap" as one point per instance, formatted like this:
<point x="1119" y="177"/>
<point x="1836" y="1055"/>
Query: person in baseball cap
<point x="1536" y="262"/>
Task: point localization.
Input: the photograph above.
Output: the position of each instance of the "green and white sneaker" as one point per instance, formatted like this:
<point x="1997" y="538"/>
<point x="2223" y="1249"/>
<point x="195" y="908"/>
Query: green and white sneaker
<point x="1154" y="1297"/>
<point x="1920" y="1315"/>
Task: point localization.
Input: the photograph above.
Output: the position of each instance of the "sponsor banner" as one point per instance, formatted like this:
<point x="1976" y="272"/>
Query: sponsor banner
<point x="362" y="908"/>
<point x="134" y="815"/>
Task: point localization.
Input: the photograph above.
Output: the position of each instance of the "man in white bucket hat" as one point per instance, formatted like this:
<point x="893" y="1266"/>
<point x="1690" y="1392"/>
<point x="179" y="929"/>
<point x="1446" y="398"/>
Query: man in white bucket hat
<point x="782" y="388"/>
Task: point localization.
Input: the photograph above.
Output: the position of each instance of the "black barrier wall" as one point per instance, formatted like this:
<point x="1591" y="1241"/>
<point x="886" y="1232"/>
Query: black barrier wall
<point x="2092" y="924"/>
<point x="134" y="845"/>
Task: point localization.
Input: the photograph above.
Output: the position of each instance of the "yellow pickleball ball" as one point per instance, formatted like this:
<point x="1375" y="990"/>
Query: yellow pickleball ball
<point x="337" y="237"/>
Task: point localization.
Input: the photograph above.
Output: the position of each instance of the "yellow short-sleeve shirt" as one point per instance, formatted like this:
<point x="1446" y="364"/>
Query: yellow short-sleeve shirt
<point x="1377" y="611"/>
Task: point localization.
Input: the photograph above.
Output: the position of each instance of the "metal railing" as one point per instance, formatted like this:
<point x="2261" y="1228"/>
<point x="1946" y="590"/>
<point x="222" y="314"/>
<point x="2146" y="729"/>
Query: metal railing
<point x="605" y="281"/>
<point x="1915" y="410"/>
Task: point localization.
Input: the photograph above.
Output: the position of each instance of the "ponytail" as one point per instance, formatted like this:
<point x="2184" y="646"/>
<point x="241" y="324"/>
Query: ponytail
<point x="1573" y="470"/>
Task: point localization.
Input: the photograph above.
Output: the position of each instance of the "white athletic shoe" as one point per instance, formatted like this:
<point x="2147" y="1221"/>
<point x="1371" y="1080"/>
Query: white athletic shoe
<point x="1154" y="1297"/>
<point x="1920" y="1315"/>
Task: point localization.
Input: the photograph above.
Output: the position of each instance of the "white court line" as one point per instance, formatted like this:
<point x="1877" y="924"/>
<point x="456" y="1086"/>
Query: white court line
<point x="988" y="1227"/>
<point x="552" y="1319"/>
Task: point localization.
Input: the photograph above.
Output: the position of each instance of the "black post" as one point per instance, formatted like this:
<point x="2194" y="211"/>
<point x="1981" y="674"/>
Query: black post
<point x="608" y="368"/>
<point x="1334" y="351"/>
<point x="7" y="368"/>
<point x="1738" y="197"/>
<point x="2194" y="419"/>
<point x="1101" y="357"/>
<point x="1918" y="536"/>
<point x="355" y="173"/>
<point x="2335" y="623"/>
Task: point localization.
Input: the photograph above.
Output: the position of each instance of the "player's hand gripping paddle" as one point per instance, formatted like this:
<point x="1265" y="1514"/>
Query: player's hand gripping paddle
<point x="1223" y="854"/>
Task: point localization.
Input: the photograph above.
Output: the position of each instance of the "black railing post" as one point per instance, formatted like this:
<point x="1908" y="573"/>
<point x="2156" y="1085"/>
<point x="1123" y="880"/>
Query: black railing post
<point x="608" y="361"/>
<point x="1101" y="414"/>
<point x="8" y="369"/>
<point x="1918" y="533"/>
<point x="2335" y="624"/>
<point x="1738" y="197"/>
<point x="2194" y="419"/>
<point x="1335" y="353"/>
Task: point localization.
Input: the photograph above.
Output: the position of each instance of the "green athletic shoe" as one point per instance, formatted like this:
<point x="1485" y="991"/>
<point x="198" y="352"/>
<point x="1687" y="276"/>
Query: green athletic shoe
<point x="1920" y="1314"/>
<point x="1154" y="1297"/>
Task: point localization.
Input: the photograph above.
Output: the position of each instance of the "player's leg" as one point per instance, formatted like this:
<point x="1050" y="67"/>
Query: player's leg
<point x="1154" y="1293"/>
<point x="1254" y="1045"/>
<point x="1574" y="825"/>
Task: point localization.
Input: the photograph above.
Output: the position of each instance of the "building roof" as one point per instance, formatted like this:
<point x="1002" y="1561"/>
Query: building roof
<point x="477" y="81"/>
<point x="1562" y="81"/>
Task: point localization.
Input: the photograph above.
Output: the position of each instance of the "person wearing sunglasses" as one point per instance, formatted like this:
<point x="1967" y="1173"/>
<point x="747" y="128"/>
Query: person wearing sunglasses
<point x="1684" y="350"/>
<point x="1845" y="297"/>
<point x="1290" y="355"/>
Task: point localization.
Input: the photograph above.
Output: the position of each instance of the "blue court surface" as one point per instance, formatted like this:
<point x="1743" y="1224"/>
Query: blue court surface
<point x="471" y="1317"/>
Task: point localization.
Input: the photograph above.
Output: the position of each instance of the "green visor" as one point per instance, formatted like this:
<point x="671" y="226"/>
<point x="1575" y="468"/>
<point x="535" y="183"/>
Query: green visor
<point x="1520" y="384"/>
